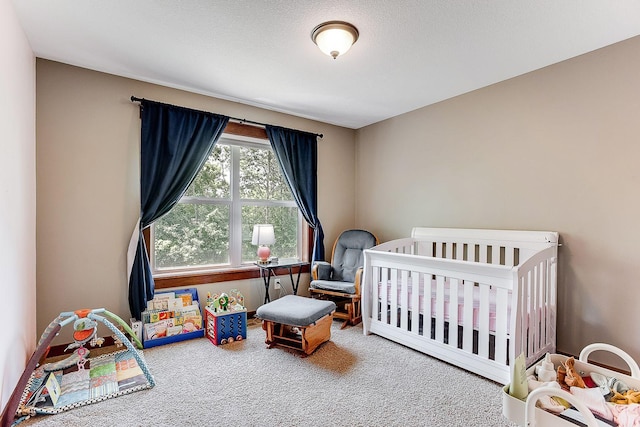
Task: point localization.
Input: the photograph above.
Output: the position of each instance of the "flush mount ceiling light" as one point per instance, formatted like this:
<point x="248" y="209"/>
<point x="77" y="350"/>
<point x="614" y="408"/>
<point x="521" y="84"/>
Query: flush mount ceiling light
<point x="334" y="37"/>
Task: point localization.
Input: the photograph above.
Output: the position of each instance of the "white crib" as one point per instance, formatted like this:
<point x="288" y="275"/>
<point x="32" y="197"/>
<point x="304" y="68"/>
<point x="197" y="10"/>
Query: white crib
<point x="502" y="284"/>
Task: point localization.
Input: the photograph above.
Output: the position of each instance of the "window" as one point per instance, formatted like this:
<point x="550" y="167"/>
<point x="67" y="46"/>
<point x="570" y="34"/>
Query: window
<point x="210" y="228"/>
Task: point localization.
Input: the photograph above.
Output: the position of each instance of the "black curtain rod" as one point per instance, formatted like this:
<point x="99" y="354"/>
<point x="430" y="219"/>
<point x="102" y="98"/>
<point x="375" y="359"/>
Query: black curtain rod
<point x="136" y="99"/>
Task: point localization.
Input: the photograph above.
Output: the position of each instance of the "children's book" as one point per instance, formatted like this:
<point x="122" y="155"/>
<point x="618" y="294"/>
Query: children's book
<point x="156" y="330"/>
<point x="190" y="310"/>
<point x="192" y="323"/>
<point x="160" y="315"/>
<point x="187" y="298"/>
<point x="160" y="301"/>
<point x="174" y="330"/>
<point x="174" y="304"/>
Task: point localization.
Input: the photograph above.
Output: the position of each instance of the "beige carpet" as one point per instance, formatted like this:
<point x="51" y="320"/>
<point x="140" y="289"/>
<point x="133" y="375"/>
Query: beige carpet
<point x="353" y="380"/>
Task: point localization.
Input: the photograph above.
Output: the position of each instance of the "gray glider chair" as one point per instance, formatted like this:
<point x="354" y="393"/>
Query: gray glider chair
<point x="339" y="281"/>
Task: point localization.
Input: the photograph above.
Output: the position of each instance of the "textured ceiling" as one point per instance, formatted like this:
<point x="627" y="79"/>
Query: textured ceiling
<point x="410" y="53"/>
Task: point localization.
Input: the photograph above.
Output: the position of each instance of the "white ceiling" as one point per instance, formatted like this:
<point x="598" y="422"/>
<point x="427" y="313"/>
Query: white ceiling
<point x="411" y="53"/>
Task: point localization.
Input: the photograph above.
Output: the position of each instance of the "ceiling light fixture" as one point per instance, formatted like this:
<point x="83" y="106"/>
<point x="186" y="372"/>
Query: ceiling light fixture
<point x="334" y="37"/>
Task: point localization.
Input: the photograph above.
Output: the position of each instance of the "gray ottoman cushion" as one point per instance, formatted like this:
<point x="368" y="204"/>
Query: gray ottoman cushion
<point x="331" y="285"/>
<point x="295" y="311"/>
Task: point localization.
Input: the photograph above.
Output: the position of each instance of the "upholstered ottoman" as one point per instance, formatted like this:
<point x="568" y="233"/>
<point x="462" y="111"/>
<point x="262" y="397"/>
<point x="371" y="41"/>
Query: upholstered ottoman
<point x="297" y="322"/>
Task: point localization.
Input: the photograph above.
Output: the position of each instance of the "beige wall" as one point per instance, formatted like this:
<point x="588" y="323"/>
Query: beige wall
<point x="88" y="183"/>
<point x="556" y="149"/>
<point x="18" y="207"/>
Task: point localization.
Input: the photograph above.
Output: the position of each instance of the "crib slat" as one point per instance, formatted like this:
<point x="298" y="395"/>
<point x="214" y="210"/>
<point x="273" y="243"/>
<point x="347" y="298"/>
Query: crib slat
<point x="508" y="257"/>
<point x="531" y="313"/>
<point x="484" y="250"/>
<point x="518" y="335"/>
<point x="536" y="309"/>
<point x="415" y="302"/>
<point x="453" y="311"/>
<point x="375" y="291"/>
<point x="483" y="322"/>
<point x="539" y="302"/>
<point x="546" y="315"/>
<point x="394" y="298"/>
<point x="495" y="254"/>
<point x="551" y="301"/>
<point x="384" y="297"/>
<point x="440" y="308"/>
<point x="426" y="305"/>
<point x="449" y="250"/>
<point x="438" y="253"/>
<point x="404" y="300"/>
<point x="502" y="303"/>
<point x="467" y="328"/>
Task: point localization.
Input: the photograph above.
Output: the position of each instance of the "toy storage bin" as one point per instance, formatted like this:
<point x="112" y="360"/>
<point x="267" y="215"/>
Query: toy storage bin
<point x="526" y="414"/>
<point x="180" y="337"/>
<point x="225" y="326"/>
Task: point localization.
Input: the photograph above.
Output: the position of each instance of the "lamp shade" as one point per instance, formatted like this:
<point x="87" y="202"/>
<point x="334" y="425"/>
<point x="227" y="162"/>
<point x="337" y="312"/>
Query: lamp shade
<point x="334" y="37"/>
<point x="263" y="235"/>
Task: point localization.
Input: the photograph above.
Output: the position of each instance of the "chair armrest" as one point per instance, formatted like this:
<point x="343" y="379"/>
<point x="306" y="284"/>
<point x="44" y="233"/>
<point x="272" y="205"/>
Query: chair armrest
<point x="321" y="270"/>
<point x="358" y="279"/>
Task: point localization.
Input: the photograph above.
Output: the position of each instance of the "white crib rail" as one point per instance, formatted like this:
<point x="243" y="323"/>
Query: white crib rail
<point x="518" y="297"/>
<point x="535" y="299"/>
<point x="409" y="276"/>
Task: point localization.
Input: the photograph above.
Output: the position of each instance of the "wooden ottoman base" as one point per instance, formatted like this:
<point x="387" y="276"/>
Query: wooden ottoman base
<point x="297" y="322"/>
<point x="302" y="338"/>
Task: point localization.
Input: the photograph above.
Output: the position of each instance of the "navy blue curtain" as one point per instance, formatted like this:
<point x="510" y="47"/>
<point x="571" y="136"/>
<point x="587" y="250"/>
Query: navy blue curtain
<point x="297" y="153"/>
<point x="175" y="143"/>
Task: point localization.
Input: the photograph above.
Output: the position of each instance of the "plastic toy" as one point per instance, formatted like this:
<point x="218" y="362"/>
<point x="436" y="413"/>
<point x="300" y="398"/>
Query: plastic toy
<point x="238" y="299"/>
<point x="234" y="301"/>
<point x="223" y="300"/>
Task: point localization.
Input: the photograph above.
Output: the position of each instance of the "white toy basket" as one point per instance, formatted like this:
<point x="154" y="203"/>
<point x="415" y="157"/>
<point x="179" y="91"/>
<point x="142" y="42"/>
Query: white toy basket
<point x="525" y="413"/>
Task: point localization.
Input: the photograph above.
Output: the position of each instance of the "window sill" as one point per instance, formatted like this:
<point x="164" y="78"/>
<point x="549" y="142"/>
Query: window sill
<point x="227" y="275"/>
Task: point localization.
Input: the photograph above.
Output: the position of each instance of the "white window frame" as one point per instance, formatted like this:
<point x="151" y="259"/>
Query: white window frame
<point x="235" y="226"/>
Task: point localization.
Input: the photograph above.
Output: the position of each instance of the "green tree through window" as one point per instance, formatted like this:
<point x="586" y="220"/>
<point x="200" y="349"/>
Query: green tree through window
<point x="240" y="185"/>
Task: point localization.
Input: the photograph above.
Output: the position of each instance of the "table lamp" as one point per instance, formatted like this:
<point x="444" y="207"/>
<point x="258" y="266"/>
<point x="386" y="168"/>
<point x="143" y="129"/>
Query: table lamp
<point x="263" y="235"/>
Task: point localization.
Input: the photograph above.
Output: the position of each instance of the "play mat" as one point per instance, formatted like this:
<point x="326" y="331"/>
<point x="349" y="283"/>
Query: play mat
<point x="79" y="379"/>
